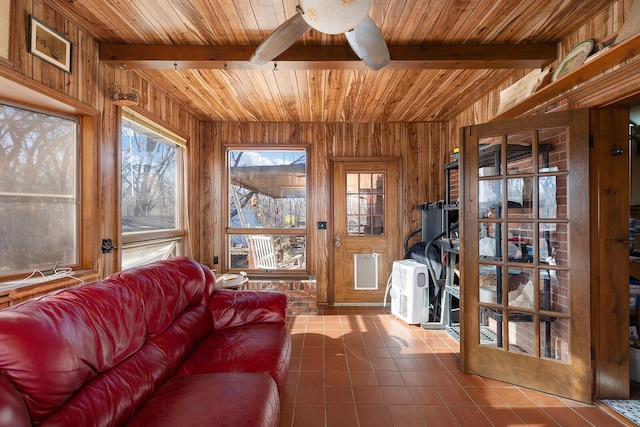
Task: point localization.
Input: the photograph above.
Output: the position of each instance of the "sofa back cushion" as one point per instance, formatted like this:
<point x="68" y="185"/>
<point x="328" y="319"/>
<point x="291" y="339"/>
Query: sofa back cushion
<point x="105" y="346"/>
<point x="50" y="347"/>
<point x="114" y="396"/>
<point x="165" y="289"/>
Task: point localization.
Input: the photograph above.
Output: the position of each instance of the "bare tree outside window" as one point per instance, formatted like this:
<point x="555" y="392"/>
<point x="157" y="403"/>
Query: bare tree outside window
<point x="151" y="197"/>
<point x="38" y="190"/>
<point x="148" y="180"/>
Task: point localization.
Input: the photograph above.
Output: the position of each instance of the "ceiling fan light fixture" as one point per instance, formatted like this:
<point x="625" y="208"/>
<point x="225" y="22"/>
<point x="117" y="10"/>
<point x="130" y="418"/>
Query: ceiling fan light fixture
<point x="334" y="16"/>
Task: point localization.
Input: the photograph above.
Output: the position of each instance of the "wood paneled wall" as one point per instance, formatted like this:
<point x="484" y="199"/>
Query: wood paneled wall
<point x="86" y="89"/>
<point x="420" y="146"/>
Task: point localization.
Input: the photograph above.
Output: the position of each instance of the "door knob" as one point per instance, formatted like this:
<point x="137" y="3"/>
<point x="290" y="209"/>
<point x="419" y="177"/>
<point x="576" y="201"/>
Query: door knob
<point x="336" y="241"/>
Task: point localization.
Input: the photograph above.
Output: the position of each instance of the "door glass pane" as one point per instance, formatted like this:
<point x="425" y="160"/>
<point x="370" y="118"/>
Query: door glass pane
<point x="490" y="241"/>
<point x="519" y="160"/>
<point x="489" y="156"/>
<point x="554" y="338"/>
<point x="488" y="279"/>
<point x="365" y="182"/>
<point x="489" y="326"/>
<point x="521" y="333"/>
<point x="552" y="196"/>
<point x="554" y="290"/>
<point x="490" y="198"/>
<point x="520" y="236"/>
<point x="552" y="149"/>
<point x="352" y="183"/>
<point x="520" y="197"/>
<point x="521" y="288"/>
<point x="353" y="204"/>
<point x="553" y="243"/>
<point x="365" y="204"/>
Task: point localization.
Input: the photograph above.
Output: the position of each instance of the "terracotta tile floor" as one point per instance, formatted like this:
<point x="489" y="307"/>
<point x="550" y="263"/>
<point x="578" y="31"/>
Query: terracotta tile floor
<point x="359" y="366"/>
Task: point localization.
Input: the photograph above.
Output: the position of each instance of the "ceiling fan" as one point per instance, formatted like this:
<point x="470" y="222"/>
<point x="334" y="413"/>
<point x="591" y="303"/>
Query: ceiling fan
<point x="350" y="17"/>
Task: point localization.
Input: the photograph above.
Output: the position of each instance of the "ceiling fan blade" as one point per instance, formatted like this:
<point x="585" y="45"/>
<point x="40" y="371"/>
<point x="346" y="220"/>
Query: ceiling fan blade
<point x="280" y="40"/>
<point x="367" y="42"/>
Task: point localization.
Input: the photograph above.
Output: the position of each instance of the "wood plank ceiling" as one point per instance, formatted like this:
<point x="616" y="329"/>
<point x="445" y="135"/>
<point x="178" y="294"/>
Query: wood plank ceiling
<point x="326" y="93"/>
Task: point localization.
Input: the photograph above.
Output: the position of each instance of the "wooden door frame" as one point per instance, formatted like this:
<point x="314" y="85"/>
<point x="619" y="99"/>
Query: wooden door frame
<point x="401" y="203"/>
<point x="609" y="200"/>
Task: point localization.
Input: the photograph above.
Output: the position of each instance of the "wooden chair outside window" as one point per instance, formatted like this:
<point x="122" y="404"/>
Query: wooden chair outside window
<point x="269" y="254"/>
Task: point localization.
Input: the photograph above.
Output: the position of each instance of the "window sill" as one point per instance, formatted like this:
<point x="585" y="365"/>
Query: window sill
<point x="26" y="288"/>
<point x="279" y="275"/>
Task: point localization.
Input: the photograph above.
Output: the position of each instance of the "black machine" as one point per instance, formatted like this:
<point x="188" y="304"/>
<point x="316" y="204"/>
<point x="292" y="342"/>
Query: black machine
<point x="437" y="222"/>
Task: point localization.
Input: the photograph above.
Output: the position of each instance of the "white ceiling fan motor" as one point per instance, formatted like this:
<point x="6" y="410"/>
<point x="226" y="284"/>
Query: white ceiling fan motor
<point x="334" y="16"/>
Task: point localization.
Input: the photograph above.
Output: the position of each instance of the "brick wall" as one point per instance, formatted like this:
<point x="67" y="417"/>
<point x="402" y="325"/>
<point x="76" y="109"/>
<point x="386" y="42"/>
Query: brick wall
<point x="301" y="294"/>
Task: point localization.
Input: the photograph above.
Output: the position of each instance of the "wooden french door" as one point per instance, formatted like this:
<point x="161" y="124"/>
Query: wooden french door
<point x="525" y="253"/>
<point x="365" y="202"/>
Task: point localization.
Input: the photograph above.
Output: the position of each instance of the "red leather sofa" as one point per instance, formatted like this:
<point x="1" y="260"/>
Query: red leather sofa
<point x="156" y="345"/>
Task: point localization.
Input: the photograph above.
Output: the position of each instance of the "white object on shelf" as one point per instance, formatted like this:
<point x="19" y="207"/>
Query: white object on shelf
<point x="488" y="294"/>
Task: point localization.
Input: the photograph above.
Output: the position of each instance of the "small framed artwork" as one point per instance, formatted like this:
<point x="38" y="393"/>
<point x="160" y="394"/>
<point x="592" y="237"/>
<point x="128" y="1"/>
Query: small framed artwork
<point x="5" y="28"/>
<point x="49" y="45"/>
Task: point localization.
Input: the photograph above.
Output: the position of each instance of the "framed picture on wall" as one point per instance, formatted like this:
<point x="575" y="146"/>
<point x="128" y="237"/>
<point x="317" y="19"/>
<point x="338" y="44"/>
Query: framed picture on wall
<point x="5" y="28"/>
<point x="49" y="45"/>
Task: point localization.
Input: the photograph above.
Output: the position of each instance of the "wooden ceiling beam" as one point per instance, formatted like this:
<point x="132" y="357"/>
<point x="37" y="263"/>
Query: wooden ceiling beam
<point x="307" y="57"/>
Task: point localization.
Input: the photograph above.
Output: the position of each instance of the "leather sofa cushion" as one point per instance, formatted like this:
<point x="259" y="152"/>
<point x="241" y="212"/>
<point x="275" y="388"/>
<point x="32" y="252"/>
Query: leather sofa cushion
<point x="261" y="348"/>
<point x="52" y="346"/>
<point x="13" y="411"/>
<point x="165" y="289"/>
<point x="221" y="400"/>
<point x="114" y="396"/>
<point x="232" y="308"/>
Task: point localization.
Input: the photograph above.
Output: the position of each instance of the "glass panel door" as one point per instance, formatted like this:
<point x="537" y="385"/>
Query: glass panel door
<point x="523" y="301"/>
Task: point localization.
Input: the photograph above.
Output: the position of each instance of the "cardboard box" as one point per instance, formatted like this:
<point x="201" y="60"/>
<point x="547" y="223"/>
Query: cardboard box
<point x="634" y="364"/>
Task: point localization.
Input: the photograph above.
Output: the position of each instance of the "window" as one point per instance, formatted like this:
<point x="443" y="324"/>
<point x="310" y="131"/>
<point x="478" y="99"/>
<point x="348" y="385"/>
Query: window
<point x="267" y="209"/>
<point x="151" y="191"/>
<point x="365" y="204"/>
<point x="39" y="201"/>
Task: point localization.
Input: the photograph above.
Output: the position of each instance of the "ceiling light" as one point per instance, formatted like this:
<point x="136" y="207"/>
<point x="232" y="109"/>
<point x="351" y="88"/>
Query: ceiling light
<point x="334" y="16"/>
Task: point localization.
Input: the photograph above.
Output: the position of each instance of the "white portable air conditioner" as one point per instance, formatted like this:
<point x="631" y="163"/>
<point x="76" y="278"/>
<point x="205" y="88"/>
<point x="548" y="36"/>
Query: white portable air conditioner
<point x="410" y="291"/>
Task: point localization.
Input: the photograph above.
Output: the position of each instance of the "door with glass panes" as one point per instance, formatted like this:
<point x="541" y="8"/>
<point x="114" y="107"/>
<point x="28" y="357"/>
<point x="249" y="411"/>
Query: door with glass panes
<point x="525" y="253"/>
<point x="366" y="226"/>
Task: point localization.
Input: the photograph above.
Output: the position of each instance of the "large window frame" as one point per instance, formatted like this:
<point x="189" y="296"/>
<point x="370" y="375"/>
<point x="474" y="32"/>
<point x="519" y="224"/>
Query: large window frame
<point x="158" y="242"/>
<point x="32" y="96"/>
<point x="43" y="159"/>
<point x="270" y="236"/>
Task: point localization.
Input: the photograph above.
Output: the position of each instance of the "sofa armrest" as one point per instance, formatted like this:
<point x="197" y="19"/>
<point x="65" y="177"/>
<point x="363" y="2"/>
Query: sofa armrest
<point x="231" y="308"/>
